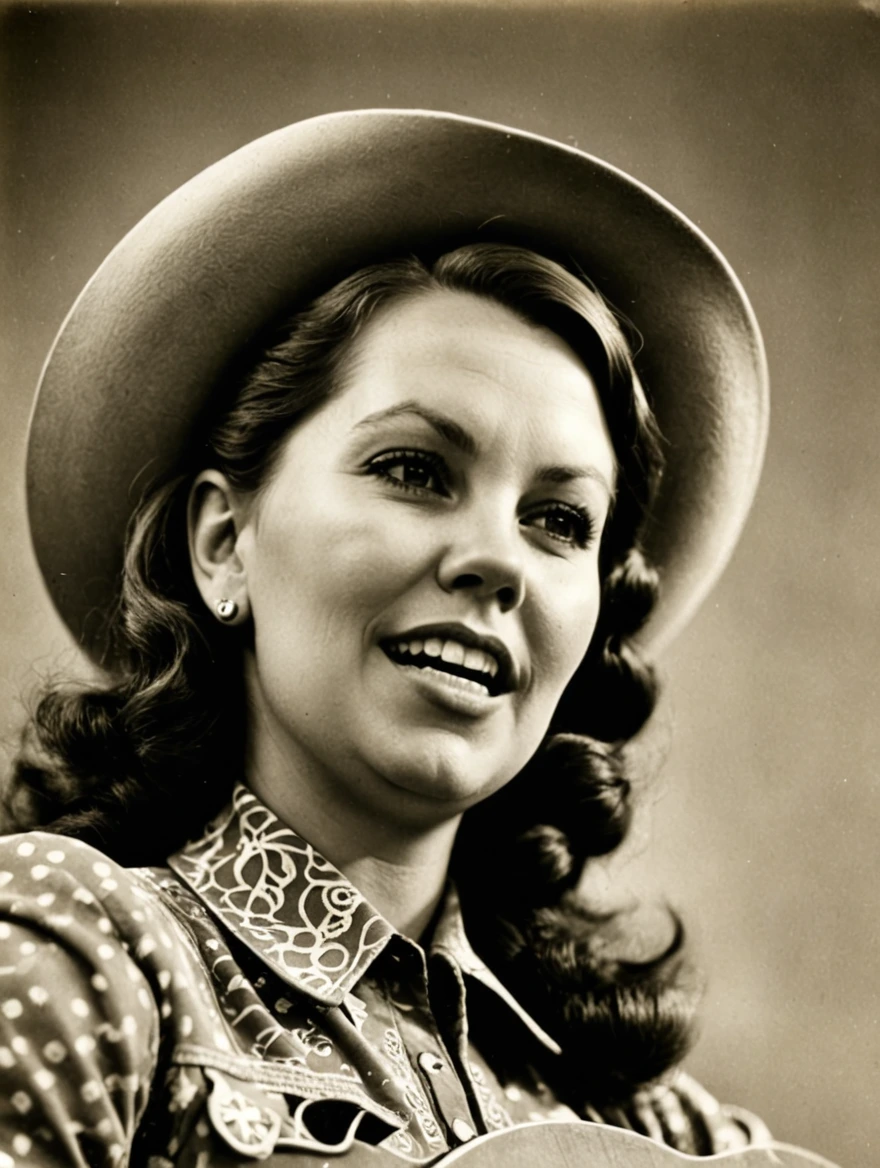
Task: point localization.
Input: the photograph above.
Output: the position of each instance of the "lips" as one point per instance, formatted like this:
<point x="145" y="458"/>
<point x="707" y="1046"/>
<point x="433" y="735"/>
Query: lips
<point x="457" y="650"/>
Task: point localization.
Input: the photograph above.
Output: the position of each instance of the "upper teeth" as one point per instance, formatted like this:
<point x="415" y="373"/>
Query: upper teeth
<point x="453" y="652"/>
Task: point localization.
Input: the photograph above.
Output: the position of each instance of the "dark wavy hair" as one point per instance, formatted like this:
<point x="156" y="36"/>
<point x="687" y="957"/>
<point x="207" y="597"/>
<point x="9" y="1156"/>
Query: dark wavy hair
<point x="105" y="763"/>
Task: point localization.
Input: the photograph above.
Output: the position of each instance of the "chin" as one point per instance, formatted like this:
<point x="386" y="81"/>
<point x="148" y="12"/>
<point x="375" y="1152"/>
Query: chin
<point x="448" y="774"/>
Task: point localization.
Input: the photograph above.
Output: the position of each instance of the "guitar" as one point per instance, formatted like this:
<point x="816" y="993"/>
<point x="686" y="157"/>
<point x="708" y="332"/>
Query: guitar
<point x="551" y="1145"/>
<point x="589" y="1145"/>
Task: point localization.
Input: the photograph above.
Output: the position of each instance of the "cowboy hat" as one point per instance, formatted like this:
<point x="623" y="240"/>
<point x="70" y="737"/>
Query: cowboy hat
<point x="132" y="370"/>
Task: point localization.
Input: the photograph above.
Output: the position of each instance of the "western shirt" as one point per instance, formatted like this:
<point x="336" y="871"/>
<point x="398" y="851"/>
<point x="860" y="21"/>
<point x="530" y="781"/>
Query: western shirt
<point x="246" y="1002"/>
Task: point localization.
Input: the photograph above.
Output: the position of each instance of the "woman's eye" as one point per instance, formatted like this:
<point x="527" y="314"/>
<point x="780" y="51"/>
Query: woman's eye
<point x="564" y="523"/>
<point x="412" y="470"/>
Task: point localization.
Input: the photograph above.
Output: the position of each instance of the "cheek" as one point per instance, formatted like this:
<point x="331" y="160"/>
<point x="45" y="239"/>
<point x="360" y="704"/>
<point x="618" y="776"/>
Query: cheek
<point x="566" y="629"/>
<point x="326" y="566"/>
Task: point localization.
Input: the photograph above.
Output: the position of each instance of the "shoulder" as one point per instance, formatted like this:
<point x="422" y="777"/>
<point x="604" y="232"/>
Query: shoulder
<point x="56" y="881"/>
<point x="79" y="1017"/>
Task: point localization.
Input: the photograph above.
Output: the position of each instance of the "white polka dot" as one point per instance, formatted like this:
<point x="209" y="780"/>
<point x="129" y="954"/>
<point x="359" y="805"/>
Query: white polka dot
<point x="104" y="925"/>
<point x="91" y="1091"/>
<point x="186" y="1025"/>
<point x="45" y="899"/>
<point x="6" y="1161"/>
<point x="5" y="931"/>
<point x="128" y="1025"/>
<point x="55" y="1051"/>
<point x="83" y="896"/>
<point x="38" y="995"/>
<point x="220" y="1040"/>
<point x="80" y="1008"/>
<point x="99" y="982"/>
<point x="164" y="978"/>
<point x="165" y="939"/>
<point x="39" y="872"/>
<point x="5" y="878"/>
<point x="101" y="869"/>
<point x="21" y="1144"/>
<point x="146" y="945"/>
<point x="20" y="1045"/>
<point x="137" y="915"/>
<point x="55" y="857"/>
<point x="12" y="1008"/>
<point x="513" y="1094"/>
<point x="59" y="920"/>
<point x="84" y="1044"/>
<point x="7" y="1058"/>
<point x="144" y="998"/>
<point x="105" y="1127"/>
<point x="26" y="948"/>
<point x="165" y="1010"/>
<point x="134" y="974"/>
<point x="26" y="849"/>
<point x="44" y="1079"/>
<point x="22" y="1102"/>
<point x="105" y="952"/>
<point x="203" y="1129"/>
<point x="109" y="885"/>
<point x="115" y="1152"/>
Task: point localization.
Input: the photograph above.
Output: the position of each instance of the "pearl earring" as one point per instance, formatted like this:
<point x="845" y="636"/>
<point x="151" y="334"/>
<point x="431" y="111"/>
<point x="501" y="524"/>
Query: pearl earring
<point x="227" y="610"/>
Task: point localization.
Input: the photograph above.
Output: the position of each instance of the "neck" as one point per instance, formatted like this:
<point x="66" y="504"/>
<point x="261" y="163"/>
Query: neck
<point x="400" y="867"/>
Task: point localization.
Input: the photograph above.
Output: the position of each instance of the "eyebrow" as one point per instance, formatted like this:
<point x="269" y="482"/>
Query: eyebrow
<point x="572" y="474"/>
<point x="454" y="433"/>
<point x="445" y="426"/>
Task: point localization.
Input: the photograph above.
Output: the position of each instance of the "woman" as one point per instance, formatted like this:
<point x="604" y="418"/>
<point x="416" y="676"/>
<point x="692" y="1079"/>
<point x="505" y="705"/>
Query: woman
<point x="314" y="876"/>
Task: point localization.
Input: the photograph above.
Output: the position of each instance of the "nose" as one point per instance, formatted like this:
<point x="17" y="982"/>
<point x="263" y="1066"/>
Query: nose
<point x="488" y="564"/>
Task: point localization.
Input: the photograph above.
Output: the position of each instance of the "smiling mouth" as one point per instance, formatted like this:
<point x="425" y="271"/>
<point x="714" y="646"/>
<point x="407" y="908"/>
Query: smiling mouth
<point x="482" y="662"/>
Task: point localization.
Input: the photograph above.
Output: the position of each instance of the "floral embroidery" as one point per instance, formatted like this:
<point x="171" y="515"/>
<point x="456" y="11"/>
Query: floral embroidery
<point x="393" y="1045"/>
<point x="314" y="1041"/>
<point x="241" y="1121"/>
<point x="412" y="1093"/>
<point x="493" y="1113"/>
<point x="295" y="909"/>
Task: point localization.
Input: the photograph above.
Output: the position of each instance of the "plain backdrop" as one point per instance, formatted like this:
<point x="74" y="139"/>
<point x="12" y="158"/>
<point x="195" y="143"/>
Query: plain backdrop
<point x="761" y="122"/>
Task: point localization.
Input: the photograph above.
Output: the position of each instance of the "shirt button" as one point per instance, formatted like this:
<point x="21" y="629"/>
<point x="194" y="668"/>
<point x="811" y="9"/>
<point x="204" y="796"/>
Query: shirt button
<point x="431" y="1063"/>
<point x="462" y="1130"/>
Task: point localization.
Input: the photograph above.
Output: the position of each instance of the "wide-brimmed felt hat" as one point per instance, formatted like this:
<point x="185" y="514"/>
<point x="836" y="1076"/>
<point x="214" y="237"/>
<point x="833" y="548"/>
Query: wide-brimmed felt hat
<point x="135" y="364"/>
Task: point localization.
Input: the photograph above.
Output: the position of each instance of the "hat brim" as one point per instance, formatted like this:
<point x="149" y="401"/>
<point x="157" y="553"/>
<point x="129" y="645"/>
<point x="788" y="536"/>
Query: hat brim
<point x="135" y="363"/>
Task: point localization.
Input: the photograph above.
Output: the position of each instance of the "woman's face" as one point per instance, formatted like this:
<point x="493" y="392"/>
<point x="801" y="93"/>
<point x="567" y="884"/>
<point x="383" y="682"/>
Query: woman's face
<point x="422" y="568"/>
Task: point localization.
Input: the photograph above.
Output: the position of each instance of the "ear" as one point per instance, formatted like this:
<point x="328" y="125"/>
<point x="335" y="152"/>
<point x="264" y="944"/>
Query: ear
<point x="215" y="515"/>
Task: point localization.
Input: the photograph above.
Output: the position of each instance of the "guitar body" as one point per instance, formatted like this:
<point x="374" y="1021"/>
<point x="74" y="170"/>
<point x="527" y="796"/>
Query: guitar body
<point x="589" y="1145"/>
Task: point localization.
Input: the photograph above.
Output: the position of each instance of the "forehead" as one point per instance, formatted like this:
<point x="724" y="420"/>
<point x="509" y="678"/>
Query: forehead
<point x="512" y="384"/>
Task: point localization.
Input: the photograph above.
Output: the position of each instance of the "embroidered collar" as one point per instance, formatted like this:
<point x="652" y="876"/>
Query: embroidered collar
<point x="283" y="899"/>
<point x="298" y="912"/>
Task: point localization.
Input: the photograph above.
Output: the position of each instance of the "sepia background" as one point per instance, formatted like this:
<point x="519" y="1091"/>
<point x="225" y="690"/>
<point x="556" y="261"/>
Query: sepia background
<point x="762" y="123"/>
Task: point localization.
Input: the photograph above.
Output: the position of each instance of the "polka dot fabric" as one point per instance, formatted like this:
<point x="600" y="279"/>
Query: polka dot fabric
<point x="245" y="1002"/>
<point x="79" y="1023"/>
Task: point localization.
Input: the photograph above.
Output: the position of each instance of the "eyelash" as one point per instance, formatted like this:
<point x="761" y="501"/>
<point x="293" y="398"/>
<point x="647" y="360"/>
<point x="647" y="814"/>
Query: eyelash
<point x="382" y="464"/>
<point x="435" y="466"/>
<point x="584" y="527"/>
